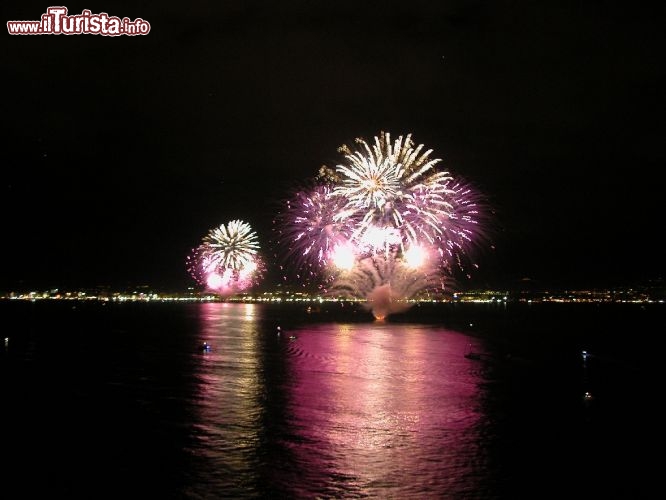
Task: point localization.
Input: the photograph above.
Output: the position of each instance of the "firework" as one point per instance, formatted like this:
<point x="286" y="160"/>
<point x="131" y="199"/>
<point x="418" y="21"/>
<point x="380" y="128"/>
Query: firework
<point x="384" y="225"/>
<point x="310" y="227"/>
<point x="393" y="185"/>
<point x="228" y="259"/>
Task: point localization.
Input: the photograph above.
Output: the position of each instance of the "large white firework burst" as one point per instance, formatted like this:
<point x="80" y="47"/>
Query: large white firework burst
<point x="392" y="185"/>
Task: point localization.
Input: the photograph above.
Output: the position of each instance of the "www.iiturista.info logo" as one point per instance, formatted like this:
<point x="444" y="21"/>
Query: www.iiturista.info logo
<point x="55" y="21"/>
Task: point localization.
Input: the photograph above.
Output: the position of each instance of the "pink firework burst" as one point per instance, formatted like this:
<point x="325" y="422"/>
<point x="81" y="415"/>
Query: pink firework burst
<point x="383" y="223"/>
<point x="311" y="226"/>
<point x="227" y="261"/>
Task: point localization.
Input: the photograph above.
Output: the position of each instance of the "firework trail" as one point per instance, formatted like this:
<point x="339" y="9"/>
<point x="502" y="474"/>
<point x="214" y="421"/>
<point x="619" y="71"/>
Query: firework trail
<point x="384" y="225"/>
<point x="227" y="261"/>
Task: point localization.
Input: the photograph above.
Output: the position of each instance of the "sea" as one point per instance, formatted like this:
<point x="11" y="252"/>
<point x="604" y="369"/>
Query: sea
<point x="215" y="400"/>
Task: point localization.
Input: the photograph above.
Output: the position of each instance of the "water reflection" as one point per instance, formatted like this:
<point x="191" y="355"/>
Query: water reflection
<point x="360" y="410"/>
<point x="228" y="402"/>
<point x="334" y="410"/>
<point x="383" y="410"/>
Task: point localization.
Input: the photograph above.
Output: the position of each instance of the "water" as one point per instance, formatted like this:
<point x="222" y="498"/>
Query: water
<point x="122" y="401"/>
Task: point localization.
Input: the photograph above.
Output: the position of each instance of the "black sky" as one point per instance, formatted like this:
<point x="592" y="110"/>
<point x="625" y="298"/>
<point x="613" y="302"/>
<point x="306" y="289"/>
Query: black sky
<point x="120" y="153"/>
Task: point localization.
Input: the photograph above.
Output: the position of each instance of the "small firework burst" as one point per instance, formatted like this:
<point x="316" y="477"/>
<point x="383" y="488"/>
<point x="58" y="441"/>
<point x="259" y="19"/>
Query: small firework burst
<point x="227" y="261"/>
<point x="233" y="245"/>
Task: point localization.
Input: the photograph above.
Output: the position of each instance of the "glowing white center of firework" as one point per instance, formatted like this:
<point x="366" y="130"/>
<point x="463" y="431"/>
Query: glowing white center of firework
<point x="379" y="237"/>
<point x="343" y="256"/>
<point x="370" y="185"/>
<point x="247" y="271"/>
<point x="214" y="280"/>
<point x="415" y="256"/>
<point x="217" y="281"/>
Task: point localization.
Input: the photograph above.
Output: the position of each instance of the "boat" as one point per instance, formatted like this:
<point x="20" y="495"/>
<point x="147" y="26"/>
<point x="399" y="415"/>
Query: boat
<point x="471" y="354"/>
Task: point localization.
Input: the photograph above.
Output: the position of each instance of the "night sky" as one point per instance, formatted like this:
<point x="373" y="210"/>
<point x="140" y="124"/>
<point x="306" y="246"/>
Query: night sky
<point x="120" y="153"/>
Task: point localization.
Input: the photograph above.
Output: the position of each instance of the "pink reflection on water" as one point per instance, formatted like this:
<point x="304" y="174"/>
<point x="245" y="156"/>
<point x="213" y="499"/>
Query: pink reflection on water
<point x="384" y="409"/>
